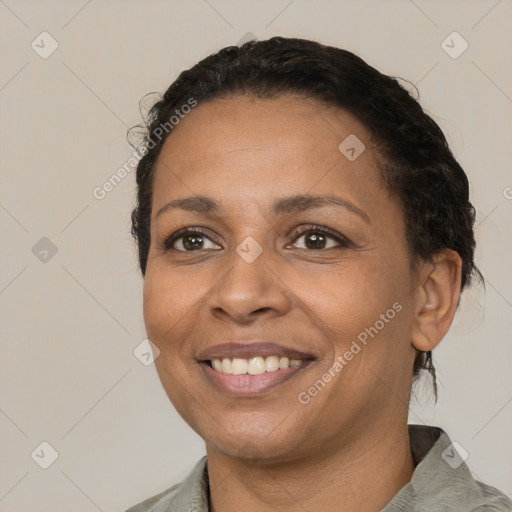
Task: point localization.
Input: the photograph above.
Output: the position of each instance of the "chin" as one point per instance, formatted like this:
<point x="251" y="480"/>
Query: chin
<point x="256" y="450"/>
<point x="256" y="440"/>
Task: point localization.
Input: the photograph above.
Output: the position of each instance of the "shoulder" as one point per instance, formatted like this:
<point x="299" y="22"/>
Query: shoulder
<point x="191" y="494"/>
<point x="442" y="481"/>
<point x="157" y="503"/>
<point x="492" y="499"/>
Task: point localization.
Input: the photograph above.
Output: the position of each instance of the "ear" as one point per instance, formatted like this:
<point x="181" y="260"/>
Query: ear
<point x="437" y="297"/>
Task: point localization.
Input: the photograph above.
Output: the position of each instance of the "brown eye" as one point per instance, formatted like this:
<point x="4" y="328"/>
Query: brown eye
<point x="319" y="238"/>
<point x="189" y="240"/>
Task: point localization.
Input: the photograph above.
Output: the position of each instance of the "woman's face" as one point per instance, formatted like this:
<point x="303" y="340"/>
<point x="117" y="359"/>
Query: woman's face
<point x="256" y="282"/>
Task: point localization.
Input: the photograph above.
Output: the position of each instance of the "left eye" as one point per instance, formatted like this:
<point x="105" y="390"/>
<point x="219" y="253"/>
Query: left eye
<point x="320" y="238"/>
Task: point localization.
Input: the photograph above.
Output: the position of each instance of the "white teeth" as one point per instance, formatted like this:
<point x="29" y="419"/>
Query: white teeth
<point x="239" y="366"/>
<point x="226" y="365"/>
<point x="284" y="363"/>
<point x="271" y="364"/>
<point x="254" y="366"/>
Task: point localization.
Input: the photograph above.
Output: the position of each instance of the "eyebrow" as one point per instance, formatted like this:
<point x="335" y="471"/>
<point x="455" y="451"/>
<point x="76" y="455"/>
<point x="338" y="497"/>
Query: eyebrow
<point x="285" y="205"/>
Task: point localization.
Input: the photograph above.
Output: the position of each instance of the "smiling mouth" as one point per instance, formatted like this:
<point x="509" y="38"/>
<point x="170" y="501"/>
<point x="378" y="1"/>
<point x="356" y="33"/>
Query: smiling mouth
<point x="251" y="367"/>
<point x="251" y="377"/>
<point x="254" y="366"/>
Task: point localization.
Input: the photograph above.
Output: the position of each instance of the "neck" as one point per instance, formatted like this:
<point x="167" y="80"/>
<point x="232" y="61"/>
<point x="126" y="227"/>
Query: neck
<point x="362" y="475"/>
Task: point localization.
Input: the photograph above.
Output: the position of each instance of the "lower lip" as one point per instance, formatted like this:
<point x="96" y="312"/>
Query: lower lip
<point x="247" y="385"/>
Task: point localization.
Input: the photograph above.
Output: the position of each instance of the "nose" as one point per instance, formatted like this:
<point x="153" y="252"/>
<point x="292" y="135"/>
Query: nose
<point x="248" y="291"/>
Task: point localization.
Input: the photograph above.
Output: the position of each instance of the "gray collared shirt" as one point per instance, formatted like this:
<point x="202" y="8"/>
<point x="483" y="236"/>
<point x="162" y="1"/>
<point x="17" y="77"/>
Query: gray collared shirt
<point x="441" y="482"/>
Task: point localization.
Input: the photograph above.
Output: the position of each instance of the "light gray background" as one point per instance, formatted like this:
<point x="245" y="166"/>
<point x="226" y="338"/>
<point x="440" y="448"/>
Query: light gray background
<point x="69" y="325"/>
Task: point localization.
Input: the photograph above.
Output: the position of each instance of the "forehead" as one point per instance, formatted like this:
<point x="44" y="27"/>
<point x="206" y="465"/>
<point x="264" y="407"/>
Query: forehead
<point x="263" y="148"/>
<point x="292" y="123"/>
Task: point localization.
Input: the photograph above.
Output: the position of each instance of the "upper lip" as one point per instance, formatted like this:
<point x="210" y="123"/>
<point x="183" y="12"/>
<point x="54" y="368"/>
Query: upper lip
<point x="249" y="349"/>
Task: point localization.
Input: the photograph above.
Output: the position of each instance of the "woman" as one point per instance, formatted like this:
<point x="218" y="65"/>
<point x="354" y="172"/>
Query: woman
<point x="304" y="234"/>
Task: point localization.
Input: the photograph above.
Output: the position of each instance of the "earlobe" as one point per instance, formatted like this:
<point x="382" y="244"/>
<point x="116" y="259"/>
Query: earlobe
<point x="437" y="298"/>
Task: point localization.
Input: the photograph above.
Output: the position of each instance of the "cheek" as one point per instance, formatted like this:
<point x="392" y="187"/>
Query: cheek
<point x="154" y="300"/>
<point x="164" y="304"/>
<point x="364" y="311"/>
<point x="172" y="303"/>
<point x="169" y="319"/>
<point x="352" y="295"/>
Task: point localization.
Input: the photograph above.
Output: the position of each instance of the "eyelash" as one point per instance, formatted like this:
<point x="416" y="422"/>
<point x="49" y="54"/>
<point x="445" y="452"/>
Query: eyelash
<point x="297" y="233"/>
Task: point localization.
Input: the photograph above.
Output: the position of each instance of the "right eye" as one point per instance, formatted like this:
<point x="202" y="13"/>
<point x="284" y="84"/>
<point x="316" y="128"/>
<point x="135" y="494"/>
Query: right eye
<point x="189" y="240"/>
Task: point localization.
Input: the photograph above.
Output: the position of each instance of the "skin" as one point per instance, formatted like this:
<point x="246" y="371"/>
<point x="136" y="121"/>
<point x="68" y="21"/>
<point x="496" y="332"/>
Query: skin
<point x="269" y="451"/>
